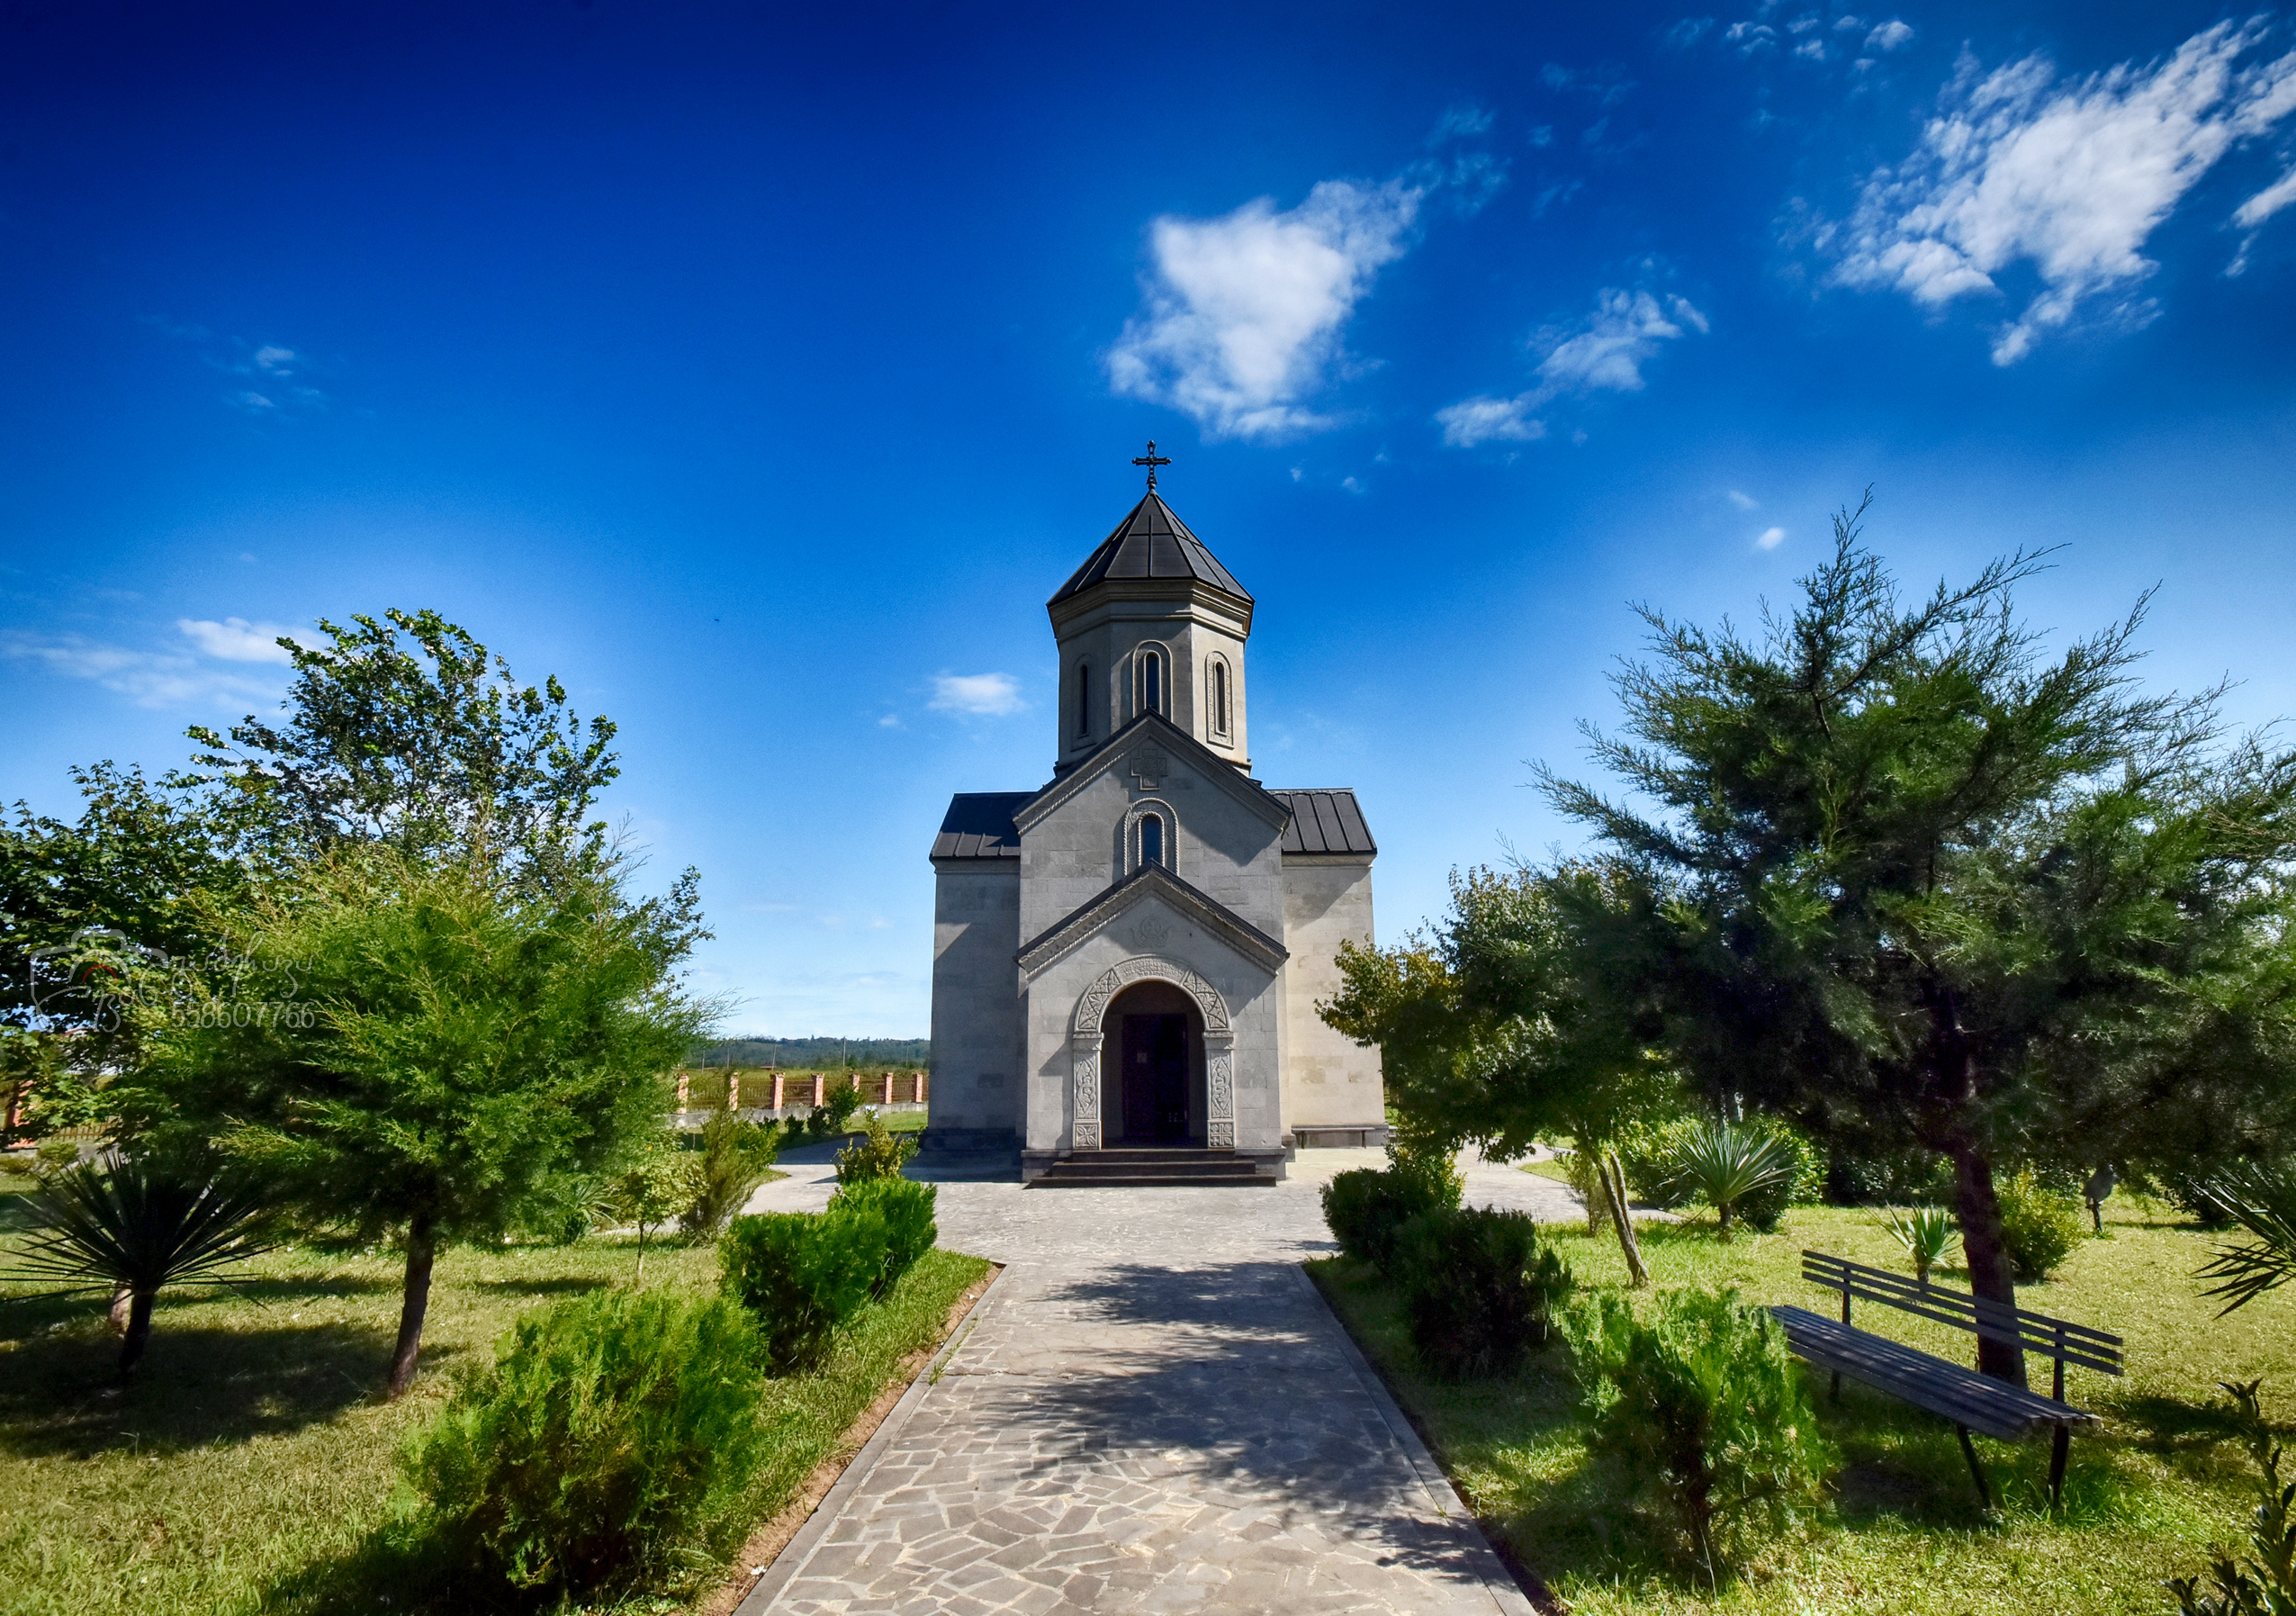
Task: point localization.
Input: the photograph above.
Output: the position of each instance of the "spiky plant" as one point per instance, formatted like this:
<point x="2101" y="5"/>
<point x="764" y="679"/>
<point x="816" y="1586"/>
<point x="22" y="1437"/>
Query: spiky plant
<point x="135" y="1227"/>
<point x="1723" y="1163"/>
<point x="1927" y="1233"/>
<point x="2260" y="1199"/>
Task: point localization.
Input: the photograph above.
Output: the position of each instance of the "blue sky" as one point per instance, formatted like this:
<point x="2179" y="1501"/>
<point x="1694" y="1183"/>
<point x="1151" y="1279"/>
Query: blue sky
<point x="761" y="371"/>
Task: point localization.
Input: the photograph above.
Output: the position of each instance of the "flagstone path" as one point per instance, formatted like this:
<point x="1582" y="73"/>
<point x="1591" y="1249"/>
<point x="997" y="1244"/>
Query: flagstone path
<point x="1151" y="1411"/>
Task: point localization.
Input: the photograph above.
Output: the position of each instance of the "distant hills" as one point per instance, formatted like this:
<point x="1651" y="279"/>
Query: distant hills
<point x="815" y="1054"/>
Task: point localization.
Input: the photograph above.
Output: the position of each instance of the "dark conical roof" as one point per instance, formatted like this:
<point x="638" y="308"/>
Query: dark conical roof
<point x="1151" y="543"/>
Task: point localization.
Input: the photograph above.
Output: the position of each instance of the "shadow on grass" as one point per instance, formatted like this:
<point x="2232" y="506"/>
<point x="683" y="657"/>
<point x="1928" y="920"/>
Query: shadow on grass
<point x="197" y="1385"/>
<point x="570" y="1284"/>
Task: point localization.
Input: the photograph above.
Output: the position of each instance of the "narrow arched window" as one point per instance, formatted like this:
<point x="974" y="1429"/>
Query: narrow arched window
<point x="1219" y="698"/>
<point x="1083" y="700"/>
<point x="1151" y="683"/>
<point x="1151" y="839"/>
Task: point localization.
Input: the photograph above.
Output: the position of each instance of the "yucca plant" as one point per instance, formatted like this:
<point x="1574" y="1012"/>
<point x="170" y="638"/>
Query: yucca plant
<point x="2260" y="1199"/>
<point x="135" y="1227"/>
<point x="1927" y="1233"/>
<point x="1723" y="1163"/>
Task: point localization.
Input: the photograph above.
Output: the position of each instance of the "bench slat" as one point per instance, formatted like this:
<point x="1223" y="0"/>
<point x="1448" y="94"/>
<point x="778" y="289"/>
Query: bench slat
<point x="1987" y="1406"/>
<point x="2078" y="1344"/>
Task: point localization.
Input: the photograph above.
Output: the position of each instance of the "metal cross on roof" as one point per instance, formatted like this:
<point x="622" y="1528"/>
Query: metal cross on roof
<point x="1152" y="460"/>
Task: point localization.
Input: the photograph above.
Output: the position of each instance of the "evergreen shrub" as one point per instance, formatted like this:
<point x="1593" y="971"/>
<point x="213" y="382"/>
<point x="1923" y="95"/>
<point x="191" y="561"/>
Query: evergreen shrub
<point x="735" y="1157"/>
<point x="2038" y="1226"/>
<point x="834" y="1114"/>
<point x="1479" y="1290"/>
<point x="1706" y="1413"/>
<point x="614" y="1440"/>
<point x="903" y="1214"/>
<point x="1914" y="1178"/>
<point x="880" y="1153"/>
<point x="1367" y="1209"/>
<point x="802" y="1275"/>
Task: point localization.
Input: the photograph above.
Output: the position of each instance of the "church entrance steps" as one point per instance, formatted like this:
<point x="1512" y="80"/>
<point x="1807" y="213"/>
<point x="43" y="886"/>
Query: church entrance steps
<point x="1173" y="1165"/>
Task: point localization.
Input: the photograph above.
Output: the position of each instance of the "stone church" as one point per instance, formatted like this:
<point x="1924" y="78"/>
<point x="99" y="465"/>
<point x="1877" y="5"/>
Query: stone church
<point x="1127" y="959"/>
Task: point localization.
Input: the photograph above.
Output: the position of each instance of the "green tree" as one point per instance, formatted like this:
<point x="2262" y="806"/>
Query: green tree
<point x="1498" y="1028"/>
<point x="407" y="732"/>
<point x="1910" y="882"/>
<point x="85" y="906"/>
<point x="469" y="1049"/>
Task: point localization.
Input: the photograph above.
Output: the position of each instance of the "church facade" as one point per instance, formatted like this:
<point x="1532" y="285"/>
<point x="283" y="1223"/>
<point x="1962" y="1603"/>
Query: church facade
<point x="1129" y="956"/>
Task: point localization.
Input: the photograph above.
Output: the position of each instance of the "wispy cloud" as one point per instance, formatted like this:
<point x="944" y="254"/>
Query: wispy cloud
<point x="154" y="678"/>
<point x="1603" y="353"/>
<point x="1244" y="313"/>
<point x="235" y="639"/>
<point x="1744" y="502"/>
<point x="976" y="695"/>
<point x="1892" y="35"/>
<point x="267" y="378"/>
<point x="1769" y="538"/>
<point x="2070" y="177"/>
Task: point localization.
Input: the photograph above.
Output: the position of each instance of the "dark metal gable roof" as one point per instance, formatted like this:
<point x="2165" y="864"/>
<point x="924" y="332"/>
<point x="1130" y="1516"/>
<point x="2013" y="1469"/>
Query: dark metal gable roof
<point x="1151" y="543"/>
<point x="978" y="825"/>
<point x="1324" y="822"/>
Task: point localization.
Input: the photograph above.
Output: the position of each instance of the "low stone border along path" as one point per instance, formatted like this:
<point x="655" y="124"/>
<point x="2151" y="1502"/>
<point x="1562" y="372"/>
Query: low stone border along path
<point x="1151" y="1411"/>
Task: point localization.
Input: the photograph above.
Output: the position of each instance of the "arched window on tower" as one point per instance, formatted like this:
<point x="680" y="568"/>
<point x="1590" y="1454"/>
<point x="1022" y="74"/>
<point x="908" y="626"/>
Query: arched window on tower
<point x="1219" y="698"/>
<point x="1083" y="700"/>
<point x="1151" y="839"/>
<point x="1151" y="682"/>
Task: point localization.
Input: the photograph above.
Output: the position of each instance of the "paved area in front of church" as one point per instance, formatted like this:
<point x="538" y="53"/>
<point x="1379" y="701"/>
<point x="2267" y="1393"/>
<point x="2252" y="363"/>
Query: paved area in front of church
<point x="1151" y="1412"/>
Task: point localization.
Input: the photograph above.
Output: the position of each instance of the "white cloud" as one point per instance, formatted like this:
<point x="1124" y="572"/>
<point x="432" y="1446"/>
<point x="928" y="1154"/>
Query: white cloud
<point x="1811" y="50"/>
<point x="1686" y="33"/>
<point x="2072" y="178"/>
<point x="1744" y="502"/>
<point x="890" y="721"/>
<point x="1850" y="24"/>
<point x="2268" y="201"/>
<point x="148" y="678"/>
<point x="982" y="695"/>
<point x="1476" y="421"/>
<point x="1244" y="312"/>
<point x="1771" y="539"/>
<point x="1892" y="35"/>
<point x="1457" y="122"/>
<point x="1604" y="352"/>
<point x="235" y="639"/>
<point x="1751" y="38"/>
<point x="1608" y="349"/>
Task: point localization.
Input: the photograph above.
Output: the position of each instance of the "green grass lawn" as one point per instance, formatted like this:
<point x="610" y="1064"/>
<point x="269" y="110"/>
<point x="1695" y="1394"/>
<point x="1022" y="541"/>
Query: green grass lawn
<point x="252" y="1446"/>
<point x="1905" y="1534"/>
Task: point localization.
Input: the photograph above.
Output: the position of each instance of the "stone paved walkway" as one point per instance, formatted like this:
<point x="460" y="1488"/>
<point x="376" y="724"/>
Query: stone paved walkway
<point x="1152" y="1411"/>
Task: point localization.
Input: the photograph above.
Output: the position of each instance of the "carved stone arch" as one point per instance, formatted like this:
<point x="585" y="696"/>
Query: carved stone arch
<point x="1219" y="1044"/>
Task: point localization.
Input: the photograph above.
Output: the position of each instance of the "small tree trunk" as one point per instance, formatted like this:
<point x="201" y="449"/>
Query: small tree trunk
<point x="138" y="1330"/>
<point x="1614" y="1185"/>
<point x="1992" y="1275"/>
<point x="122" y="1312"/>
<point x="421" y="1247"/>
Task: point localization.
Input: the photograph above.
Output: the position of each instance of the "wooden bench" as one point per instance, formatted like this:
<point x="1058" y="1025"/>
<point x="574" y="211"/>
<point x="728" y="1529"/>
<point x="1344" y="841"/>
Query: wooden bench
<point x="1973" y="1402"/>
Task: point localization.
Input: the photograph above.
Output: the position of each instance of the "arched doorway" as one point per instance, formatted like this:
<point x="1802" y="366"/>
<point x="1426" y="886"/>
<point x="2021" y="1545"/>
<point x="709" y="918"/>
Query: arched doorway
<point x="1152" y="1067"/>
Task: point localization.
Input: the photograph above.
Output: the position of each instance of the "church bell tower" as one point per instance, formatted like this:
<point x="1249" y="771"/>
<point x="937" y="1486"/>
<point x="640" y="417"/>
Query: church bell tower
<point x="1151" y="623"/>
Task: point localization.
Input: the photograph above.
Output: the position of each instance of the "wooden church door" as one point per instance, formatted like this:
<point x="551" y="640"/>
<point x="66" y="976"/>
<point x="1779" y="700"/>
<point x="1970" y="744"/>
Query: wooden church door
<point x="1156" y="1079"/>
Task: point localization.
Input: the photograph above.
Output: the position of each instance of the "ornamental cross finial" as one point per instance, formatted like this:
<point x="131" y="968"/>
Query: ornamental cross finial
<point x="1152" y="460"/>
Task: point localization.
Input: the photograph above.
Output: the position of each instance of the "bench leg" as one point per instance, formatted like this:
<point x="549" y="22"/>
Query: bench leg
<point x="2056" y="1468"/>
<point x="1976" y="1470"/>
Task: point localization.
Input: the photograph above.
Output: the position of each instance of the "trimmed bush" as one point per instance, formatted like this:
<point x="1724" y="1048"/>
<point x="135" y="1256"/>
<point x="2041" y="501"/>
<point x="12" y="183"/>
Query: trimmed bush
<point x="881" y="1154"/>
<point x="2038" y="1226"/>
<point x="615" y="1438"/>
<point x="802" y="1275"/>
<point x="903" y="1215"/>
<point x="834" y="1114"/>
<point x="1479" y="1290"/>
<point x="1367" y="1209"/>
<point x="1706" y="1413"/>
